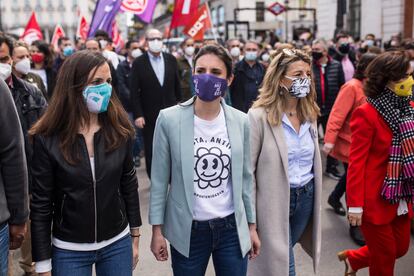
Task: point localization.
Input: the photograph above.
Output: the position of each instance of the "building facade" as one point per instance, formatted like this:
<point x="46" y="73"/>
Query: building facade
<point x="16" y="13"/>
<point x="383" y="18"/>
<point x="254" y="21"/>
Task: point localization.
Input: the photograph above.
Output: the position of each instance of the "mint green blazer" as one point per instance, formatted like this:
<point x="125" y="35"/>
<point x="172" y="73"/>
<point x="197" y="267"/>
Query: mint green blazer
<point x="172" y="174"/>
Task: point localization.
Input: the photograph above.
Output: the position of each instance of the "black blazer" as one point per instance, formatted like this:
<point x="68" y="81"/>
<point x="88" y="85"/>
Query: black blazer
<point x="148" y="97"/>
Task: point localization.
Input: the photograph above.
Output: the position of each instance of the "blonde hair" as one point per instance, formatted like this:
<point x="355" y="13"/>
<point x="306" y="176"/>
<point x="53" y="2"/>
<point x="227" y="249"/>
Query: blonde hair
<point x="273" y="96"/>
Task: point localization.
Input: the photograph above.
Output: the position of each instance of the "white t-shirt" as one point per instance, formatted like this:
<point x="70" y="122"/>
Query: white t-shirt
<point x="42" y="74"/>
<point x="213" y="193"/>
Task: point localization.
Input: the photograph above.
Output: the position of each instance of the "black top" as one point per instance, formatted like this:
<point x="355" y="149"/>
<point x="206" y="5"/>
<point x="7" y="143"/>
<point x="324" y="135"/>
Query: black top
<point x="79" y="208"/>
<point x="148" y="97"/>
<point x="246" y="83"/>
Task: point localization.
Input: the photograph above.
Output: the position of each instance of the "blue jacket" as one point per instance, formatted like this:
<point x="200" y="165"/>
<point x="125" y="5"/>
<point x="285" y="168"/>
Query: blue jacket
<point x="173" y="163"/>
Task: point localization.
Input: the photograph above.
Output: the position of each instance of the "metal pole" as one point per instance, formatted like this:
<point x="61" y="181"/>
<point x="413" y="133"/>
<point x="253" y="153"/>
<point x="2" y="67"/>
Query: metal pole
<point x="235" y="22"/>
<point x="286" y="21"/>
<point x="1" y="26"/>
<point x="315" y="26"/>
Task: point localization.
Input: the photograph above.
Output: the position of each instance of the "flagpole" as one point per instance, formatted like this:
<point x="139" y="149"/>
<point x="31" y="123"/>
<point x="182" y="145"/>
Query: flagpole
<point x="212" y="23"/>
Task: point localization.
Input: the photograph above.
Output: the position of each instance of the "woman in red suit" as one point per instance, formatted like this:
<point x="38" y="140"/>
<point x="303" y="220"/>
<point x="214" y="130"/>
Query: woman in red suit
<point x="380" y="184"/>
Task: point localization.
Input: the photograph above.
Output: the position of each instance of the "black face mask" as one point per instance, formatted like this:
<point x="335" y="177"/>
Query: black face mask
<point x="344" y="48"/>
<point x="317" y="55"/>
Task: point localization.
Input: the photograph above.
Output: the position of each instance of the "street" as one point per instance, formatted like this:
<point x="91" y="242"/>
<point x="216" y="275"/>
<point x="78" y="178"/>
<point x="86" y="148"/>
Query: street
<point x="335" y="238"/>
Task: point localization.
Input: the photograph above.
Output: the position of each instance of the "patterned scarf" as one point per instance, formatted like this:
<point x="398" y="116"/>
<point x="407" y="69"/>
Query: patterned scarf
<point x="399" y="115"/>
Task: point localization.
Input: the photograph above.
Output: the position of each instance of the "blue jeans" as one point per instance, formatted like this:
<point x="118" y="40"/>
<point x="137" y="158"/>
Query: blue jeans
<point x="4" y="249"/>
<point x="301" y="210"/>
<point x="114" y="259"/>
<point x="139" y="140"/>
<point x="217" y="237"/>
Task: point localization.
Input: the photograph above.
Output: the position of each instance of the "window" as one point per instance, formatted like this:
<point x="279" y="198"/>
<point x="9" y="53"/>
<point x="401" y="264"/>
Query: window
<point x="260" y="11"/>
<point x="354" y="18"/>
<point x="220" y="14"/>
<point x="214" y="16"/>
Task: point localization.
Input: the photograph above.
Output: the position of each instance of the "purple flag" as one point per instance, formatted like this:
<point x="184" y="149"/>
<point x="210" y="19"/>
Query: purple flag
<point x="144" y="9"/>
<point x="104" y="15"/>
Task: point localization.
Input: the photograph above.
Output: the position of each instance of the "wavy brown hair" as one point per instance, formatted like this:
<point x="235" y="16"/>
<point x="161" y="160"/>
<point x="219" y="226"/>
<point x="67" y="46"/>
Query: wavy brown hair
<point x="389" y="66"/>
<point x="67" y="112"/>
<point x="273" y="96"/>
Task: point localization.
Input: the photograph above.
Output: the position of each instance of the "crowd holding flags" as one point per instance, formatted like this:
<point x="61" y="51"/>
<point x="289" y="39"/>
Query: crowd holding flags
<point x="187" y="13"/>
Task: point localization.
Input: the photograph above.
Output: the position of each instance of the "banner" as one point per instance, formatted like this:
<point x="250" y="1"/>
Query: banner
<point x="32" y="31"/>
<point x="83" y="28"/>
<point x="104" y="15"/>
<point x="198" y="24"/>
<point x="117" y="40"/>
<point x="183" y="12"/>
<point x="58" y="33"/>
<point x="144" y="9"/>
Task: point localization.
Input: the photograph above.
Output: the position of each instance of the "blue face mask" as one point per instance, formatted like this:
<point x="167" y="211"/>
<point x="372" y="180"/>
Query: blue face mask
<point x="97" y="97"/>
<point x="67" y="51"/>
<point x="251" y="55"/>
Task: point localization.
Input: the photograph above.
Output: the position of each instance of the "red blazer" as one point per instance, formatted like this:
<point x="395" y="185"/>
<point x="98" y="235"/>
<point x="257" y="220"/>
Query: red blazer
<point x="368" y="161"/>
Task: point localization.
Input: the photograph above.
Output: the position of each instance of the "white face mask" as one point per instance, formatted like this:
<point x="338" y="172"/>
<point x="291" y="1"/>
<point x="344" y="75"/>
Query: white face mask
<point x="155" y="46"/>
<point x="265" y="57"/>
<point x="235" y="52"/>
<point x="5" y="70"/>
<point x="103" y="43"/>
<point x="412" y="64"/>
<point x="136" y="53"/>
<point x="189" y="51"/>
<point x="23" y="66"/>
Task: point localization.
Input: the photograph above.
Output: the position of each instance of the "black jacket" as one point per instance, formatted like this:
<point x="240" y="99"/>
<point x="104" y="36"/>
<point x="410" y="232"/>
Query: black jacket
<point x="148" y="97"/>
<point x="14" y="207"/>
<point x="122" y="72"/>
<point x="82" y="210"/>
<point x="333" y="78"/>
<point x="30" y="104"/>
<point x="245" y="85"/>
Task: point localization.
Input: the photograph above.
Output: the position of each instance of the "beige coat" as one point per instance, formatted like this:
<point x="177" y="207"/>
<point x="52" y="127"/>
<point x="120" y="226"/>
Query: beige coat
<point x="272" y="193"/>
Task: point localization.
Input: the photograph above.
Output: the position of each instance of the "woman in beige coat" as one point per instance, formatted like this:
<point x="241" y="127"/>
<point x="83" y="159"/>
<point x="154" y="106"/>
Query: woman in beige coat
<point x="286" y="164"/>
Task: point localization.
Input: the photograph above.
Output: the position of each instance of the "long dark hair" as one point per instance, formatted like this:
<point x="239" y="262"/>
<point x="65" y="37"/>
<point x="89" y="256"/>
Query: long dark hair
<point x="67" y="111"/>
<point x="362" y="65"/>
<point x="389" y="66"/>
<point x="43" y="47"/>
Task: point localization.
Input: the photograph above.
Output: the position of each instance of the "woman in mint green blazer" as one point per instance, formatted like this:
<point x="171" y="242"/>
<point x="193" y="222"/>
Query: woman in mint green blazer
<point x="201" y="178"/>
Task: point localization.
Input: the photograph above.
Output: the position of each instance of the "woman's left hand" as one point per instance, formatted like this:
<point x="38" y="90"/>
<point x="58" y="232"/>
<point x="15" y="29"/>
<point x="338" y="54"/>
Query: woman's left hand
<point x="256" y="244"/>
<point x="135" y="252"/>
<point x="327" y="148"/>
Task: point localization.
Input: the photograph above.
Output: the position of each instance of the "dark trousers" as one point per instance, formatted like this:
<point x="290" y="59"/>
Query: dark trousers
<point x="148" y="134"/>
<point x="340" y="188"/>
<point x="330" y="161"/>
<point x="217" y="238"/>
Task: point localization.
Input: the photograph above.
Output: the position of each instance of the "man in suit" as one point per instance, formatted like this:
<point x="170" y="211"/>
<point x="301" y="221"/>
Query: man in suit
<point x="154" y="85"/>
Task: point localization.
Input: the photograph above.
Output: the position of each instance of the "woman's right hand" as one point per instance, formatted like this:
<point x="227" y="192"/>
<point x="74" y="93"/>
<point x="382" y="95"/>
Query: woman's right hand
<point x="355" y="219"/>
<point x="159" y="244"/>
<point x="49" y="273"/>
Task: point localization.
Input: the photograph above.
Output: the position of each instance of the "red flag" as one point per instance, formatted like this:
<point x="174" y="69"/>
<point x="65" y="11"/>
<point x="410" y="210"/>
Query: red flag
<point x="183" y="11"/>
<point x="83" y="28"/>
<point x="32" y="31"/>
<point x="199" y="23"/>
<point x="58" y="33"/>
<point x="117" y="40"/>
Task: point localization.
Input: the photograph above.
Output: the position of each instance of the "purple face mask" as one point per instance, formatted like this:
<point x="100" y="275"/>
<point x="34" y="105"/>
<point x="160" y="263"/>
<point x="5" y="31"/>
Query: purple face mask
<point x="209" y="87"/>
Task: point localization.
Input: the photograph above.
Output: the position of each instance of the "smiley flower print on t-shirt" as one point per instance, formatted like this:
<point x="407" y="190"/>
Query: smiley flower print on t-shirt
<point x="211" y="167"/>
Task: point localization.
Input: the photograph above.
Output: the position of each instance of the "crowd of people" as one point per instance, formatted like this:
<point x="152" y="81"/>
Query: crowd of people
<point x="229" y="131"/>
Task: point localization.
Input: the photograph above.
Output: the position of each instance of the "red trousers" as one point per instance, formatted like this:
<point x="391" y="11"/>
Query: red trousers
<point x="384" y="244"/>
